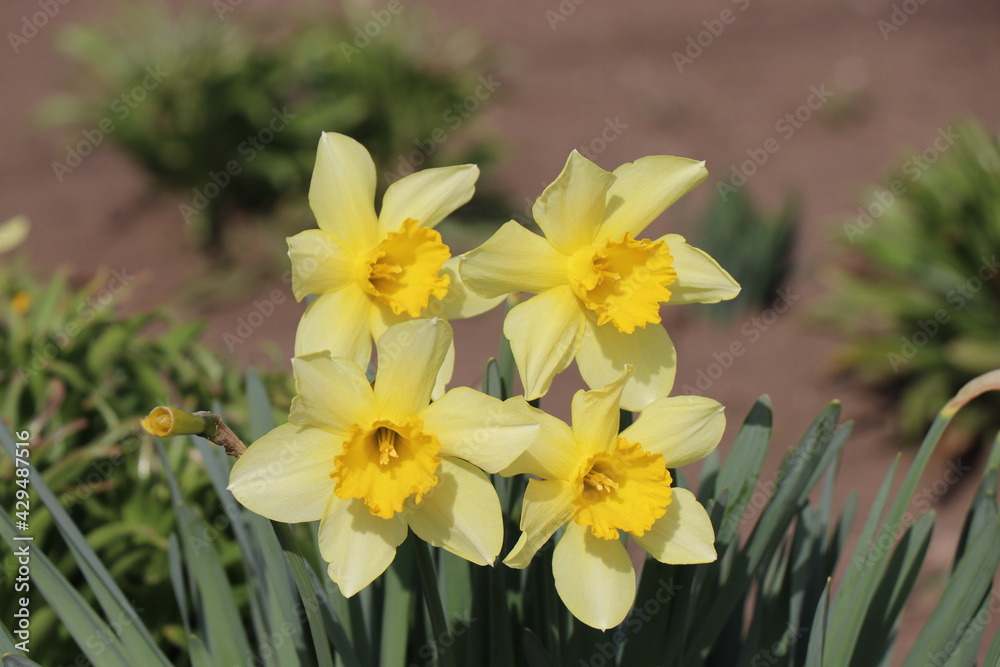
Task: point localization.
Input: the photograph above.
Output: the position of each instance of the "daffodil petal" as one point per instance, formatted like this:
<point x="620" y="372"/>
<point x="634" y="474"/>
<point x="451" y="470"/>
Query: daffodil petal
<point x="596" y="415"/>
<point x="513" y="260"/>
<point x="410" y="355"/>
<point x="320" y="263"/>
<point x="700" y="279"/>
<point x="555" y="453"/>
<point x="594" y="577"/>
<point x="571" y="209"/>
<point x="605" y="352"/>
<point x="547" y="506"/>
<point x="427" y="196"/>
<point x="478" y="428"/>
<point x="342" y="191"/>
<point x="444" y="373"/>
<point x="684" y="429"/>
<point x="333" y="394"/>
<point x="460" y="302"/>
<point x="285" y="475"/>
<point x="545" y="333"/>
<point x="683" y="535"/>
<point x="644" y="189"/>
<point x="358" y="545"/>
<point x="460" y="514"/>
<point x="339" y="322"/>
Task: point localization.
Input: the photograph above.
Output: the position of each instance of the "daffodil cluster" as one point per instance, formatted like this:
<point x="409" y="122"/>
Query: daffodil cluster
<point x="371" y="461"/>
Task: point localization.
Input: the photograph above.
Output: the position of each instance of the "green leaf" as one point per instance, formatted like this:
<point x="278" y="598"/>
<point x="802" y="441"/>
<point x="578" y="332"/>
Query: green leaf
<point x="968" y="586"/>
<point x="134" y="635"/>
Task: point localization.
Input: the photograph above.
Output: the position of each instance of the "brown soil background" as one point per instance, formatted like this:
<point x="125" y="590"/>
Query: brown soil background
<point x="560" y="84"/>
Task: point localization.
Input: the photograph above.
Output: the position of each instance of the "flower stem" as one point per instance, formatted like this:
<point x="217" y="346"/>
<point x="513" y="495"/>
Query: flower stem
<point x="432" y="598"/>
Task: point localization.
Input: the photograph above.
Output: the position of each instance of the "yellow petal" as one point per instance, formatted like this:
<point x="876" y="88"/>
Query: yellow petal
<point x="460" y="514"/>
<point x="644" y="189"/>
<point x="285" y="475"/>
<point x="410" y="355"/>
<point x="358" y="545"/>
<point x="594" y="577"/>
<point x="427" y="196"/>
<point x="333" y="394"/>
<point x="342" y="191"/>
<point x="700" y="279"/>
<point x="513" y="260"/>
<point x="13" y="233"/>
<point x="339" y="322"/>
<point x="684" y="429"/>
<point x="544" y="333"/>
<point x="478" y="428"/>
<point x="460" y="302"/>
<point x="571" y="209"/>
<point x="683" y="535"/>
<point x="596" y="415"/>
<point x="547" y="507"/>
<point x="555" y="453"/>
<point x="319" y="263"/>
<point x="605" y="352"/>
<point x="444" y="373"/>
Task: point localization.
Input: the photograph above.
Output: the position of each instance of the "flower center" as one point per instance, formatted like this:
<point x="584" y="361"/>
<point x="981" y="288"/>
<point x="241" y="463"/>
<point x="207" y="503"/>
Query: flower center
<point x="623" y="282"/>
<point x="387" y="463"/>
<point x="403" y="270"/>
<point x="624" y="489"/>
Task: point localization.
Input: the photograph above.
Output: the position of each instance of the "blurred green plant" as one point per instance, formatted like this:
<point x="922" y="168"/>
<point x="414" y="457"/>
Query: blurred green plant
<point x="755" y="247"/>
<point x="77" y="376"/>
<point x="684" y="615"/>
<point x="917" y="293"/>
<point x="228" y="113"/>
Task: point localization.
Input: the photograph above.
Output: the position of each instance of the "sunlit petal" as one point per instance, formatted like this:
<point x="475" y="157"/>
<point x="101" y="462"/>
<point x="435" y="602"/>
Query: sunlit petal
<point x="339" y="322"/>
<point x="342" y="191"/>
<point x="427" y="196"/>
<point x="460" y="514"/>
<point x="684" y="429"/>
<point x="571" y="209"/>
<point x="514" y="260"/>
<point x="683" y="535"/>
<point x="594" y="577"/>
<point x="547" y="506"/>
<point x="285" y="475"/>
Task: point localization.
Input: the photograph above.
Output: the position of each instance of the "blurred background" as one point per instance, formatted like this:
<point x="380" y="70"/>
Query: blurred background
<point x="162" y="153"/>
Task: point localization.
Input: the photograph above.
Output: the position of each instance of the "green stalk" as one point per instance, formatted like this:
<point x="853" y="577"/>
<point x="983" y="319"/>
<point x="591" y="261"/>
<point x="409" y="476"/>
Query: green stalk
<point x="432" y="598"/>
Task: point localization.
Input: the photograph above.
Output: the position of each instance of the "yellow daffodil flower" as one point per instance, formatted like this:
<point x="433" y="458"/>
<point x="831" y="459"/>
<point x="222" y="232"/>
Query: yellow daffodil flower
<point x="597" y="482"/>
<point x="369" y="271"/>
<point x="369" y="460"/>
<point x="598" y="284"/>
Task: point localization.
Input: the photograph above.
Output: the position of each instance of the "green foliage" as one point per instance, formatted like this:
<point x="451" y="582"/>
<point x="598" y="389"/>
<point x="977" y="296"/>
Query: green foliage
<point x="684" y="615"/>
<point x="918" y="295"/>
<point x="77" y="375"/>
<point x="755" y="247"/>
<point x="186" y="95"/>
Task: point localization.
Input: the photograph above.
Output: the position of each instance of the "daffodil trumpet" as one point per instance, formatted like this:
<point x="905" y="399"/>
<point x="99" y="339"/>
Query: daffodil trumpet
<point x="599" y="284"/>
<point x="370" y="460"/>
<point x="595" y="483"/>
